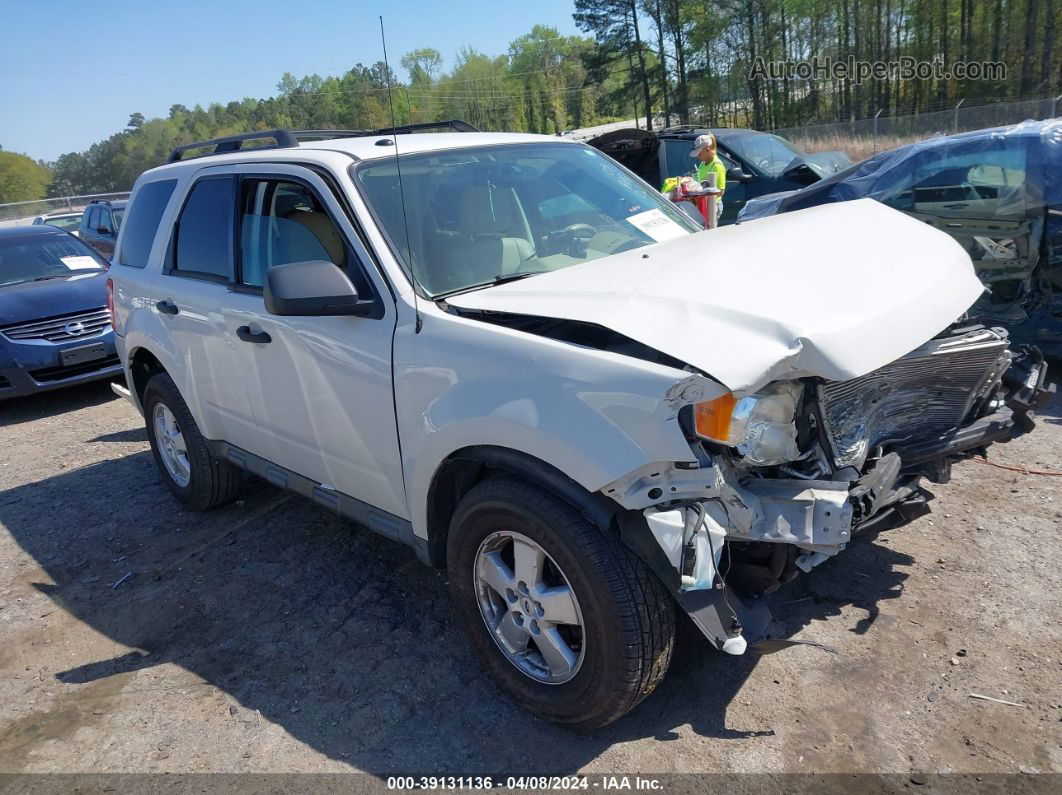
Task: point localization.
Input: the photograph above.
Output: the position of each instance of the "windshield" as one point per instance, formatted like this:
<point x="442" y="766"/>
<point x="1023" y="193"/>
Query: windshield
<point x="769" y="153"/>
<point x="32" y="258"/>
<point x="479" y="216"/>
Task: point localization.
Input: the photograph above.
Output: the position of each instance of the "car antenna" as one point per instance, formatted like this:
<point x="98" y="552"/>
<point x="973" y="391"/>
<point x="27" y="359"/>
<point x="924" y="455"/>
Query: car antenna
<point x="401" y="190"/>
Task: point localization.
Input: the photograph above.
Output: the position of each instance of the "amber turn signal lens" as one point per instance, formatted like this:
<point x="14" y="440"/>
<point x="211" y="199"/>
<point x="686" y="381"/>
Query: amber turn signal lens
<point x="711" y="419"/>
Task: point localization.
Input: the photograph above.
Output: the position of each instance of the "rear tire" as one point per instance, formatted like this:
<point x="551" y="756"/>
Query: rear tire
<point x="622" y="646"/>
<point x="197" y="478"/>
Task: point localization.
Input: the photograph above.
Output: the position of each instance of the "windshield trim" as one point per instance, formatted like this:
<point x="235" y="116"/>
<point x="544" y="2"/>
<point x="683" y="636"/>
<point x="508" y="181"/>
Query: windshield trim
<point x="407" y="269"/>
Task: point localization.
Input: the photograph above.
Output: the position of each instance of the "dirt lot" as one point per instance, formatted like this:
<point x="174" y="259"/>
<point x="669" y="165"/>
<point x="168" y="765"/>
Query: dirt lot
<point x="272" y="636"/>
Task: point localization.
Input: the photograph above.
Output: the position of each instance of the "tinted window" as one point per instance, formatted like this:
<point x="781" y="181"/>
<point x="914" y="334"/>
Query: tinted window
<point x="105" y="219"/>
<point x="93" y="218"/>
<point x="284" y="222"/>
<point x="204" y="230"/>
<point x="144" y="221"/>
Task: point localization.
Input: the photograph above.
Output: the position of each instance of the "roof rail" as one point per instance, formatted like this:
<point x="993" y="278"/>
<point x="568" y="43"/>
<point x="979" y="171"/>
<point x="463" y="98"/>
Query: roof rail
<point x="283" y="139"/>
<point x="451" y="124"/>
<point x="313" y="135"/>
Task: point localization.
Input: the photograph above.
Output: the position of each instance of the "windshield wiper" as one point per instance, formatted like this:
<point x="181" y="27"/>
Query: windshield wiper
<point x="501" y="278"/>
<point x="55" y="276"/>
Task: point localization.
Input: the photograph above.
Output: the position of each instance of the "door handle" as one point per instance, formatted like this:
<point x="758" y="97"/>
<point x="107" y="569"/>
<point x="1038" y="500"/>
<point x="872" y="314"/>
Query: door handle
<point x="167" y="307"/>
<point x="245" y="334"/>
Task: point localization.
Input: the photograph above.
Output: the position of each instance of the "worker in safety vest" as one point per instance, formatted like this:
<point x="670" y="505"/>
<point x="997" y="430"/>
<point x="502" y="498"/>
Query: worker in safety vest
<point x="704" y="149"/>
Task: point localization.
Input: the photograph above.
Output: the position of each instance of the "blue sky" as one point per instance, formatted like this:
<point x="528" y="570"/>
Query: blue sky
<point x="71" y="72"/>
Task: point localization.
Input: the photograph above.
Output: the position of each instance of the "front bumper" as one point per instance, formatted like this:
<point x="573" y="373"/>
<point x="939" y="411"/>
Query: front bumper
<point x="771" y="527"/>
<point x="27" y="369"/>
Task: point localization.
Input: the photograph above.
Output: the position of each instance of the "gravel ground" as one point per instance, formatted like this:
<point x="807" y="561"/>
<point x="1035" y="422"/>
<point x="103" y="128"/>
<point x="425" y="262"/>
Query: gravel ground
<point x="272" y="636"/>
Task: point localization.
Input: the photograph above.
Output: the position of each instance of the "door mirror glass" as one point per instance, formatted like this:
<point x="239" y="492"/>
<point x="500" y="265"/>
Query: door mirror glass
<point x="315" y="288"/>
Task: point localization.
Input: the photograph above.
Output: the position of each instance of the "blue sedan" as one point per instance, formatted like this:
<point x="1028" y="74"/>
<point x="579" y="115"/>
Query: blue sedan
<point x="55" y="327"/>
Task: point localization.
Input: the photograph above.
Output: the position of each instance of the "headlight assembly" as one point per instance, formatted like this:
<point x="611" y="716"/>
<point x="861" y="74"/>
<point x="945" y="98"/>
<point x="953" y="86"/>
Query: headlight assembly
<point x="761" y="426"/>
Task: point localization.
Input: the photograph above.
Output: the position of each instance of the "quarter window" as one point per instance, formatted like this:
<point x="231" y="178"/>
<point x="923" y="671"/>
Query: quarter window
<point x="203" y="243"/>
<point x="145" y="214"/>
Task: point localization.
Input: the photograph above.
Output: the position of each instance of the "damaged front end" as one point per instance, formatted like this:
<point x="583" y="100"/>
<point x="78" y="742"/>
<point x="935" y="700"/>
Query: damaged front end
<point x="784" y="477"/>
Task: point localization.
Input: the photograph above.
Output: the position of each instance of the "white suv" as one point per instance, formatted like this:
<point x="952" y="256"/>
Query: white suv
<point x="515" y="356"/>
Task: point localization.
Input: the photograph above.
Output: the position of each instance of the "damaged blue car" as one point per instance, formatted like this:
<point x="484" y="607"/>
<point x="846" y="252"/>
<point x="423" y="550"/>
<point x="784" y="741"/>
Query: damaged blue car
<point x="998" y="192"/>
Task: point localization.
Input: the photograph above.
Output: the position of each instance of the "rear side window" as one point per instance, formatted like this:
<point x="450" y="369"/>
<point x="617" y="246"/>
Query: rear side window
<point x="203" y="241"/>
<point x="144" y="217"/>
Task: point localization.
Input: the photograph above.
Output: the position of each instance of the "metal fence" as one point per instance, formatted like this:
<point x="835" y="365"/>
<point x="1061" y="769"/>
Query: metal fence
<point x="864" y="137"/>
<point x="24" y="212"/>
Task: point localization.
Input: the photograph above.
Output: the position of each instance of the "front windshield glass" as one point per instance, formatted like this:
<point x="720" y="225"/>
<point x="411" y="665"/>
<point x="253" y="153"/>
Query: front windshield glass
<point x="769" y="153"/>
<point x="35" y="258"/>
<point x="479" y="216"/>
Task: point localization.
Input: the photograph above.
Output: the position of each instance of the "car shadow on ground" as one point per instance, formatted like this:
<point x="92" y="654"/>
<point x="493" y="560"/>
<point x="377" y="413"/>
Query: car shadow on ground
<point x="344" y="638"/>
<point x="50" y="404"/>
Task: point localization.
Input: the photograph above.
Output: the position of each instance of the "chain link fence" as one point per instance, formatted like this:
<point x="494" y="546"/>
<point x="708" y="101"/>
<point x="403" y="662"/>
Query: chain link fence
<point x="17" y="213"/>
<point x="862" y="138"/>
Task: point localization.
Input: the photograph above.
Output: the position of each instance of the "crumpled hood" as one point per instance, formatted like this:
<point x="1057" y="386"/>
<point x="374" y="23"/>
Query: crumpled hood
<point x="35" y="300"/>
<point x="834" y="291"/>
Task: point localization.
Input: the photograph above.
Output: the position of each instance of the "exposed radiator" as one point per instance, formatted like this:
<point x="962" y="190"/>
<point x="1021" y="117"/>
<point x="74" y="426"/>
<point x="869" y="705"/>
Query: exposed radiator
<point x="927" y="392"/>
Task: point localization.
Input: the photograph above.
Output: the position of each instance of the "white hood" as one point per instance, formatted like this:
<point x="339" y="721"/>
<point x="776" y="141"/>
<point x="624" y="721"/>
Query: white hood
<point x="833" y="291"/>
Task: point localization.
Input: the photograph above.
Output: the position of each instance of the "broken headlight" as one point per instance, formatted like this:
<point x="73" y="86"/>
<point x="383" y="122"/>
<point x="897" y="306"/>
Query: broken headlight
<point x="761" y="426"/>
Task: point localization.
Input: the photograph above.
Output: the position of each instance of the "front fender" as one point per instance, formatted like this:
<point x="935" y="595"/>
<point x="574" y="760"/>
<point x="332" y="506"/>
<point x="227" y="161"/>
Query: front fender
<point x="591" y="414"/>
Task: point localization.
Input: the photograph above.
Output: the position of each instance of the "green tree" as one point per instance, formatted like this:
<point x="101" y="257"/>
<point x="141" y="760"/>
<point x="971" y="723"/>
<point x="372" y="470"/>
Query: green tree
<point x="22" y="178"/>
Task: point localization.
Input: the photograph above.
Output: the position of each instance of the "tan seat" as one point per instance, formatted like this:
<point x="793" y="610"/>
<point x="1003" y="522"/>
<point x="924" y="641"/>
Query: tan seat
<point x="486" y="246"/>
<point x="323" y="231"/>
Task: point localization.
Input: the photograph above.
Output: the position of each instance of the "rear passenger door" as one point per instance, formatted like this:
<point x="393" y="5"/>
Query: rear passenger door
<point x="320" y="388"/>
<point x="190" y="298"/>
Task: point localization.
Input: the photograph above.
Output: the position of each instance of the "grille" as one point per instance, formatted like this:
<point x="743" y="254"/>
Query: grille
<point x="47" y="374"/>
<point x="927" y="392"/>
<point x="79" y="325"/>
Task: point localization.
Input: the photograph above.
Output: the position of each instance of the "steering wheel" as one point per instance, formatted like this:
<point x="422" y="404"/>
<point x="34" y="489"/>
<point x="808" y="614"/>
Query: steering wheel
<point x="574" y="229"/>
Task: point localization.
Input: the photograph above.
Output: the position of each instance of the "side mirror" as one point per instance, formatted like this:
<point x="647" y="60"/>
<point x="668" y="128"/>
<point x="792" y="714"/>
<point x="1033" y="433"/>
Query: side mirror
<point x="735" y="174"/>
<point x="312" y="289"/>
<point x="802" y="174"/>
<point x="103" y="230"/>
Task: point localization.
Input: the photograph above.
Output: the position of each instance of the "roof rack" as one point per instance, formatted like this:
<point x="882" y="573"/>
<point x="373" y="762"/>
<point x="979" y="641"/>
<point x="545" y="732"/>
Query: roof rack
<point x="282" y="139"/>
<point x="285" y="139"/>
<point x="450" y="124"/>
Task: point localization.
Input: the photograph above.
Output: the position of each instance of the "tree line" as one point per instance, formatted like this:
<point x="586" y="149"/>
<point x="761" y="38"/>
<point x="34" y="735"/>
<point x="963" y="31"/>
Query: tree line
<point x="684" y="61"/>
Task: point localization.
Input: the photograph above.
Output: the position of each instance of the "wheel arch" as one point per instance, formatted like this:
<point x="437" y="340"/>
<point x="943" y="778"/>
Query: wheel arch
<point x="143" y="365"/>
<point x="464" y="468"/>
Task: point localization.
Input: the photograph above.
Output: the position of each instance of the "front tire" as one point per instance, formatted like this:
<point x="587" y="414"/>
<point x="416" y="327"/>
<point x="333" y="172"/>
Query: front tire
<point x="188" y="469"/>
<point x="569" y="622"/>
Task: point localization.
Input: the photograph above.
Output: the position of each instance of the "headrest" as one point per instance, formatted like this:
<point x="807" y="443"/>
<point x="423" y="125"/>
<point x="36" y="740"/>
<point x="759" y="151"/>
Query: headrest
<point x="484" y="208"/>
